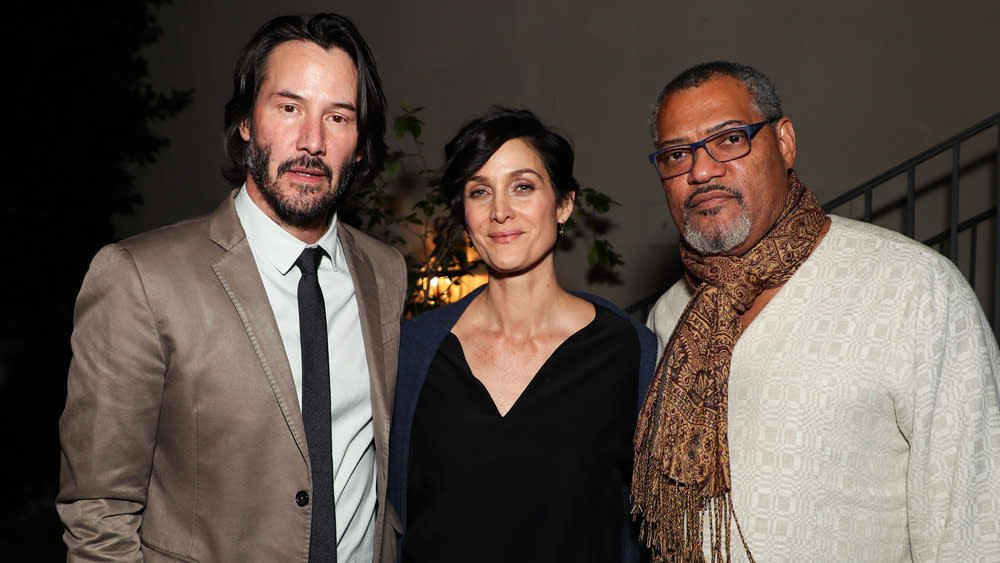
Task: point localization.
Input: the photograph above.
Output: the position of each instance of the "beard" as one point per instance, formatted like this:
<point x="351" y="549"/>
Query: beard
<point x="301" y="207"/>
<point x="722" y="238"/>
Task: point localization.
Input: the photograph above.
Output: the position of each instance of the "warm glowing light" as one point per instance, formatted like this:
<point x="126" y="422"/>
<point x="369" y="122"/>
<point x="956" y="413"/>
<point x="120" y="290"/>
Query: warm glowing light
<point x="441" y="289"/>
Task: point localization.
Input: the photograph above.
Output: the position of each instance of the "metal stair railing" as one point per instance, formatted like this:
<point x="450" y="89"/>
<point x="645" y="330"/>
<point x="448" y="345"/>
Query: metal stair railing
<point x="946" y="241"/>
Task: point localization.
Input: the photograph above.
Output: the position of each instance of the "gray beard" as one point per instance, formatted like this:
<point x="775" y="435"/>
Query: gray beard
<point x="721" y="240"/>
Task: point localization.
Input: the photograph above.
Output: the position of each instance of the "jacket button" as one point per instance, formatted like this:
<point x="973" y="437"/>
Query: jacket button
<point x="301" y="498"/>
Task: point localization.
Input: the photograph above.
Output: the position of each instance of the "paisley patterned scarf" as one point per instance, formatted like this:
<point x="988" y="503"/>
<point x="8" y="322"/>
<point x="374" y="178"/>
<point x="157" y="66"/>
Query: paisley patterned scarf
<point x="681" y="476"/>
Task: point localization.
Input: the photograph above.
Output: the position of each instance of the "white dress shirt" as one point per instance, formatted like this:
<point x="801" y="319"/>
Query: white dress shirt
<point x="275" y="251"/>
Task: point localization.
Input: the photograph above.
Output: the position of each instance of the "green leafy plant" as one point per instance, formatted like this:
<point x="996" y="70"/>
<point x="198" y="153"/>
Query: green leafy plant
<point x="438" y="259"/>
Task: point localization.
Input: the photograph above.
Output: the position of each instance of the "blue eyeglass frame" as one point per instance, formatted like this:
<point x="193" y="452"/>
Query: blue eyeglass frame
<point x="751" y="131"/>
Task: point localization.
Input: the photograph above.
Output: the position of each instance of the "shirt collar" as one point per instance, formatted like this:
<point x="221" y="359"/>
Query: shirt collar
<point x="276" y="245"/>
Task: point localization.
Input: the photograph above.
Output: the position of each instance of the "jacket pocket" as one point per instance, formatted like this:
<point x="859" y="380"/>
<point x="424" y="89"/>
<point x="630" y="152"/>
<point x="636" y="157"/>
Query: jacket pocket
<point x="153" y="554"/>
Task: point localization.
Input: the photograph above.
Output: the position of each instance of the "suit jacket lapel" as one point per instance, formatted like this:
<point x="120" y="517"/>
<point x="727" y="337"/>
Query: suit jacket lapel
<point x="367" y="293"/>
<point x="237" y="271"/>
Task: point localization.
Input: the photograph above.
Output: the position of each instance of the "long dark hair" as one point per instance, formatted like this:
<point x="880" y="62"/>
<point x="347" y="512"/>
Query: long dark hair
<point x="328" y="31"/>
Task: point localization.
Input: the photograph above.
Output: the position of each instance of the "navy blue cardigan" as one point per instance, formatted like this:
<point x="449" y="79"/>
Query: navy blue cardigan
<point x="420" y="339"/>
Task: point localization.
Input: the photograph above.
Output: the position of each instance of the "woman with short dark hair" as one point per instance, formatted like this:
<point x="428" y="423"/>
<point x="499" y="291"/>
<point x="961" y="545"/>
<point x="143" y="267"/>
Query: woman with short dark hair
<point x="515" y="407"/>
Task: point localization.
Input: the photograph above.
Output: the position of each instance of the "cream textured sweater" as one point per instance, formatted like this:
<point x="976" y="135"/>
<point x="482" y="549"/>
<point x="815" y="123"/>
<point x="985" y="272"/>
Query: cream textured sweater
<point x="864" y="417"/>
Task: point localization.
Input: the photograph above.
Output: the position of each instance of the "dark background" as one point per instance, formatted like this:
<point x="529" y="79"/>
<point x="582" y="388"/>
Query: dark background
<point x="868" y="85"/>
<point x="81" y="126"/>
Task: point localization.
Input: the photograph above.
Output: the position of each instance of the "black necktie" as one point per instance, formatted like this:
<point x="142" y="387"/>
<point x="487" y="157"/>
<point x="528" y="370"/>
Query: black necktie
<point x="316" y="406"/>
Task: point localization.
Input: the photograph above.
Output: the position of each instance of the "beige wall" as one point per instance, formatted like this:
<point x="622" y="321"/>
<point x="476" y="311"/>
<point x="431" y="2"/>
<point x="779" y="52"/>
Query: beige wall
<point x="867" y="84"/>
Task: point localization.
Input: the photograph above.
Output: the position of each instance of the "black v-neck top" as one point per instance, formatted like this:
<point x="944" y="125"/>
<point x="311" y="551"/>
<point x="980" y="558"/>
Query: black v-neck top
<point x="546" y="482"/>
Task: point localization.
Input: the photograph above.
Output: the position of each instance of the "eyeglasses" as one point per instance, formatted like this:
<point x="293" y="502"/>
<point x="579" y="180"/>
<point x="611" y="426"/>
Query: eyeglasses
<point x="723" y="146"/>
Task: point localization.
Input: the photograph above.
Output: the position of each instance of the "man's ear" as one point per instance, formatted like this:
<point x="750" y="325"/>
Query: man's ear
<point x="245" y="130"/>
<point x="786" y="140"/>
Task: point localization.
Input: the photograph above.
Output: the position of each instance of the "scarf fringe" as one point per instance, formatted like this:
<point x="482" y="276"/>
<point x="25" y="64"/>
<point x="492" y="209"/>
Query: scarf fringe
<point x="685" y="543"/>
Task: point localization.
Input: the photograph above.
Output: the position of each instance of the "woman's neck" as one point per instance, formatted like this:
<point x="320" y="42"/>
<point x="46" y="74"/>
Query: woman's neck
<point x="522" y="304"/>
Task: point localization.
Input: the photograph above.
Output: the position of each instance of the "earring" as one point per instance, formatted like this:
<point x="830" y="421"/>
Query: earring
<point x="560" y="231"/>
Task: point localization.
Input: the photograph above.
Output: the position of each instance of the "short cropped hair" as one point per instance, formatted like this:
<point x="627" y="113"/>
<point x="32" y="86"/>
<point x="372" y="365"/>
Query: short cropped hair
<point x="476" y="142"/>
<point x="765" y="97"/>
<point x="328" y="31"/>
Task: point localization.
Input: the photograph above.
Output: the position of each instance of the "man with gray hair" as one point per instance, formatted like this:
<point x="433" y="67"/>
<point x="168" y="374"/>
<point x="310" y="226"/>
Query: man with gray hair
<point x="827" y="389"/>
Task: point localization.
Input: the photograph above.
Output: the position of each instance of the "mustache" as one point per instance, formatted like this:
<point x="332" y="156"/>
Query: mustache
<point x="304" y="161"/>
<point x="712" y="188"/>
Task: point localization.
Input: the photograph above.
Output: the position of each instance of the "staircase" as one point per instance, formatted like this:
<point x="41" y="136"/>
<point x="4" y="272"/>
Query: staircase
<point x="945" y="197"/>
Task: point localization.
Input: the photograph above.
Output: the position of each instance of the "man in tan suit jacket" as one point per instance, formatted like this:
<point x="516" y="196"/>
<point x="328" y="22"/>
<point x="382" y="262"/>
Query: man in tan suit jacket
<point x="183" y="436"/>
